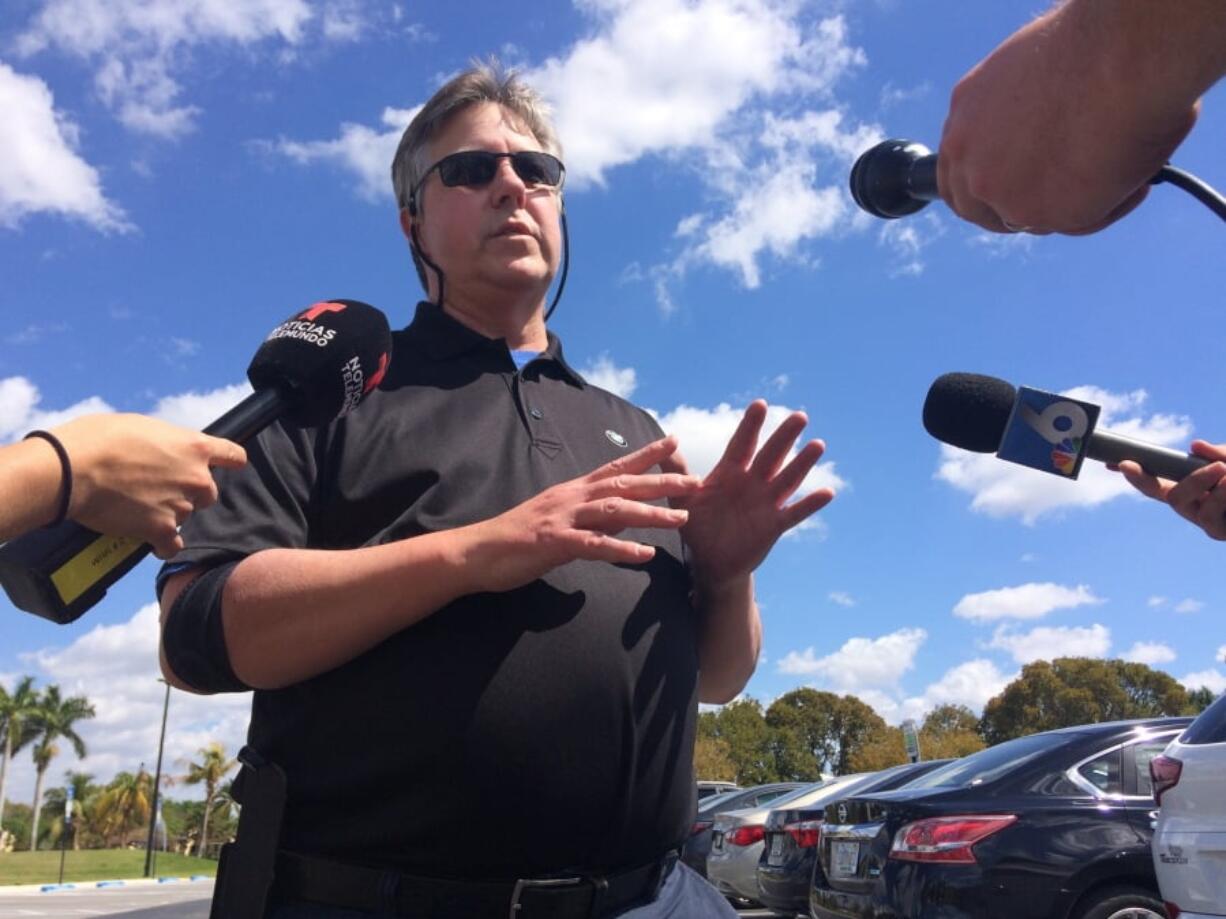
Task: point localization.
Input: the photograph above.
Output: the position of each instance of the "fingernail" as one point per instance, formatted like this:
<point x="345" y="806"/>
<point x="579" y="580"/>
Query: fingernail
<point x="680" y="514"/>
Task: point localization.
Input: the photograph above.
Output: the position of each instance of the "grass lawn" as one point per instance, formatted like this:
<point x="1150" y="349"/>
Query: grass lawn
<point x="96" y="865"/>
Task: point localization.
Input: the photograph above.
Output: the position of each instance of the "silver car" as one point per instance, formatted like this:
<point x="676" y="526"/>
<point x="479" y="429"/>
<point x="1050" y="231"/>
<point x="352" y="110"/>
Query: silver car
<point x="736" y="838"/>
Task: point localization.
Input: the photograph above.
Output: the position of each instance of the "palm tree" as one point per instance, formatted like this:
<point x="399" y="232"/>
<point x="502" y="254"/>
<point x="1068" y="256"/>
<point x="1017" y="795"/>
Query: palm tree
<point x="124" y="805"/>
<point x="54" y="718"/>
<point x="211" y="770"/>
<point x="16" y="725"/>
<point x="84" y="797"/>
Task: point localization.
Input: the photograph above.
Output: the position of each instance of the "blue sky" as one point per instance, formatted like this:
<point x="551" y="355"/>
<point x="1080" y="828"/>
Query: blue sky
<point x="179" y="176"/>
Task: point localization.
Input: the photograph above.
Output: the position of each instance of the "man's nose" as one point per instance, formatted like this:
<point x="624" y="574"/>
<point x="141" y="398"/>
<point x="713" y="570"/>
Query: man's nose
<point x="507" y="184"/>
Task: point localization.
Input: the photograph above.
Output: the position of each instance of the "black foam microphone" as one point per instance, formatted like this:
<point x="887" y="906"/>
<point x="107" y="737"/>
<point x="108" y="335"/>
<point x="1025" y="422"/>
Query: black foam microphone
<point x="973" y="411"/>
<point x="316" y="366"/>
<point x="895" y="178"/>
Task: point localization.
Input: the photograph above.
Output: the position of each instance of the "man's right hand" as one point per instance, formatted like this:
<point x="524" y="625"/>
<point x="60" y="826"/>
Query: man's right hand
<point x="580" y="519"/>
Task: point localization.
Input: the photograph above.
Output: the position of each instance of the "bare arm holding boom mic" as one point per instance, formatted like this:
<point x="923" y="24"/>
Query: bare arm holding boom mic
<point x="314" y="367"/>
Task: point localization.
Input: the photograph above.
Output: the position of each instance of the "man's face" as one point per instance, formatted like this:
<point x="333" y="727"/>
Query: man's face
<point x="497" y="239"/>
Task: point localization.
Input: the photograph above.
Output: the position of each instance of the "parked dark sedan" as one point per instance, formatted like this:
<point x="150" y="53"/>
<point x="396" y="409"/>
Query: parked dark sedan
<point x="1051" y="826"/>
<point x="698" y="845"/>
<point x="790" y="850"/>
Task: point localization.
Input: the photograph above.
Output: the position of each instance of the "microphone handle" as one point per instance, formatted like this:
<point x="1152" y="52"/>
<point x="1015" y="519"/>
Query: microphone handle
<point x="922" y="179"/>
<point x="1160" y="461"/>
<point x="60" y="572"/>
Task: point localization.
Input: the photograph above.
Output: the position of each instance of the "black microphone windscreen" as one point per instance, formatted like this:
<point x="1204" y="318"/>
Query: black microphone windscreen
<point x="324" y="360"/>
<point x="969" y="410"/>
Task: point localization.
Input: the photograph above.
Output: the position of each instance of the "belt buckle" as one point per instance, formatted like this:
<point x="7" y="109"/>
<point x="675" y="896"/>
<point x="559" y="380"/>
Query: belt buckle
<point x="526" y="883"/>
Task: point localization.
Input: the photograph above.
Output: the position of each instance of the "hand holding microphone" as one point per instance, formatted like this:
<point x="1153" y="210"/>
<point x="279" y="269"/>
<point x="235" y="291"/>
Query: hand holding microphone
<point x="1054" y="434"/>
<point x="316" y="366"/>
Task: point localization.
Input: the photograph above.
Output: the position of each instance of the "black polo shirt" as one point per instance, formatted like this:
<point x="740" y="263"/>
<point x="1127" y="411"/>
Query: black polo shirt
<point x="547" y="728"/>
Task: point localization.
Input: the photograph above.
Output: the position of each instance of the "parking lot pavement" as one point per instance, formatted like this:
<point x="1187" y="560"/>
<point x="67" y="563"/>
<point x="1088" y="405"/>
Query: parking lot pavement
<point x="135" y="900"/>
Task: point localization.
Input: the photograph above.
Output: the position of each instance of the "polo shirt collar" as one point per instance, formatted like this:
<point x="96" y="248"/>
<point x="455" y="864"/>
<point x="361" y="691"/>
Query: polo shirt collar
<point x="444" y="337"/>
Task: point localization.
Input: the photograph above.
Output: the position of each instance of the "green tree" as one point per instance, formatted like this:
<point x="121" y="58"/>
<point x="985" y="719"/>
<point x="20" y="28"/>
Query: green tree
<point x="1200" y="699"/>
<point x="854" y="725"/>
<point x="802" y="724"/>
<point x="124" y="805"/>
<point x="17" y="726"/>
<point x="881" y="750"/>
<point x="1079" y="690"/>
<point x="712" y="761"/>
<point x="211" y="770"/>
<point x="55" y="717"/>
<point x="948" y="719"/>
<point x="741" y="726"/>
<point x="84" y="794"/>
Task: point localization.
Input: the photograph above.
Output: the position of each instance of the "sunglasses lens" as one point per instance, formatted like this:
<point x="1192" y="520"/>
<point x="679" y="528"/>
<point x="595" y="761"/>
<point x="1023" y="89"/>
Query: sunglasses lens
<point x="537" y="168"/>
<point x="470" y="167"/>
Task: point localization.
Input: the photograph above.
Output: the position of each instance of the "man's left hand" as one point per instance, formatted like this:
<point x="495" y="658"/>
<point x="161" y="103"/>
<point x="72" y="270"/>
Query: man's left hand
<point x="1199" y="498"/>
<point x="741" y="509"/>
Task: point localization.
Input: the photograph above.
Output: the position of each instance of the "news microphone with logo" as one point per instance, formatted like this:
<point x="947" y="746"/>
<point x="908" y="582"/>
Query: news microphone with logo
<point x="1042" y="430"/>
<point x="316" y="366"/>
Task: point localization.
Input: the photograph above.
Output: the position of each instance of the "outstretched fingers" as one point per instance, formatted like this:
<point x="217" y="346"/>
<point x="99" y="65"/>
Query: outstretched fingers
<point x="770" y="458"/>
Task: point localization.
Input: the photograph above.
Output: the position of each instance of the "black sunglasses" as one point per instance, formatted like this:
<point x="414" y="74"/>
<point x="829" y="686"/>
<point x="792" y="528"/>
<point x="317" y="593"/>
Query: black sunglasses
<point x="475" y="168"/>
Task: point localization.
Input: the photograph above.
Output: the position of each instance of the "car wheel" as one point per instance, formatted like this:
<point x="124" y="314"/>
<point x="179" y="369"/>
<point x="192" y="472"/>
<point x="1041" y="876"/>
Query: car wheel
<point x="1122" y="903"/>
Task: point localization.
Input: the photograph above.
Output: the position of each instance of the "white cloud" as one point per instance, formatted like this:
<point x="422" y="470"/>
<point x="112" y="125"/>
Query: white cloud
<point x="116" y="668"/>
<point x="1149" y="652"/>
<point x="20" y="411"/>
<point x="861" y="663"/>
<point x="671" y="75"/>
<point x="907" y="239"/>
<point x="365" y="153"/>
<point x="602" y="372"/>
<point x="140" y="48"/>
<point x="197" y="410"/>
<point x="841" y="597"/>
<point x="1047" y="643"/>
<point x="40" y="170"/>
<point x="1027" y="601"/>
<point x="704" y="433"/>
<point x="1213" y="678"/>
<point x="971" y="683"/>
<point x="1002" y="489"/>
<point x="1154" y="602"/>
<point x="1221" y="654"/>
<point x="1189" y="606"/>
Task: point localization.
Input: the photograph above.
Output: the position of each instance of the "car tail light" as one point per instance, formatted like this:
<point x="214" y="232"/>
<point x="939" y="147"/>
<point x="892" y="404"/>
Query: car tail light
<point x="1172" y="909"/>
<point x="948" y="840"/>
<point x="807" y="833"/>
<point x="745" y="835"/>
<point x="1165" y="772"/>
<point x="700" y="826"/>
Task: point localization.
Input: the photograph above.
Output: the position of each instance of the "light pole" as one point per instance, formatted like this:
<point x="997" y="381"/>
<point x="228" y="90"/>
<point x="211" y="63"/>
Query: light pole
<point x="157" y="784"/>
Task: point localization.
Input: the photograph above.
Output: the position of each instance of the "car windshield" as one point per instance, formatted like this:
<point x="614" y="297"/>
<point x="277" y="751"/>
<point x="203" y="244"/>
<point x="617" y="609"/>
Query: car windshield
<point x="990" y="764"/>
<point x="800" y="792"/>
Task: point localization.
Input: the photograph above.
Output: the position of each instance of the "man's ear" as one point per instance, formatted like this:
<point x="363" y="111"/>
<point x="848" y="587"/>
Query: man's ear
<point x="406" y="223"/>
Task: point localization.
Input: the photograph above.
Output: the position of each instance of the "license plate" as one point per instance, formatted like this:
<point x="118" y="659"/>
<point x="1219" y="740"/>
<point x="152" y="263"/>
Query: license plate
<point x="775" y="856"/>
<point x="844" y="859"/>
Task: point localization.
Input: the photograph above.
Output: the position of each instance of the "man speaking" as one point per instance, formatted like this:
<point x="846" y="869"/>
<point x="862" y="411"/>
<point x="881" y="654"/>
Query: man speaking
<point x="480" y="613"/>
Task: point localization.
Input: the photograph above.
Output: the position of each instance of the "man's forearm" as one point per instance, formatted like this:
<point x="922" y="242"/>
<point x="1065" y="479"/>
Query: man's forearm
<point x="1172" y="50"/>
<point x="730" y="641"/>
<point x="291" y="614"/>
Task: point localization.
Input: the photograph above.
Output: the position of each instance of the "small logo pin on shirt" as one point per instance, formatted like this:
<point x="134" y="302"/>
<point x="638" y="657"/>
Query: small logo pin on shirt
<point x="616" y="439"/>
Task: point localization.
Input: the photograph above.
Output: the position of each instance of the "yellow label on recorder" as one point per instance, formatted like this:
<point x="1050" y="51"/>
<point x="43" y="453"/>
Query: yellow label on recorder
<point x="92" y="564"/>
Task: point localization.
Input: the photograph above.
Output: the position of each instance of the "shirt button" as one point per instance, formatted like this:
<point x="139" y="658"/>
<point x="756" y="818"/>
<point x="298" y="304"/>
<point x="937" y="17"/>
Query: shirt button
<point x="536" y="413"/>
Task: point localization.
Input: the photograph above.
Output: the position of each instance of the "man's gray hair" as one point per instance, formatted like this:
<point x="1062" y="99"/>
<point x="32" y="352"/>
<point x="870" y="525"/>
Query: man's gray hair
<point x="483" y="82"/>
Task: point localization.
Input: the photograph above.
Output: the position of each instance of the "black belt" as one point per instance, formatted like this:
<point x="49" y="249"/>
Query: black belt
<point x="317" y="880"/>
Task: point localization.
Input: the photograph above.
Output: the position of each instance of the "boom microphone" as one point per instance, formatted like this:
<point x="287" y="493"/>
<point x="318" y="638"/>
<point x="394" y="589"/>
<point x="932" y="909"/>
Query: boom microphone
<point x="895" y="178"/>
<point x="899" y="177"/>
<point x="316" y="366"/>
<point x="1045" y="431"/>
